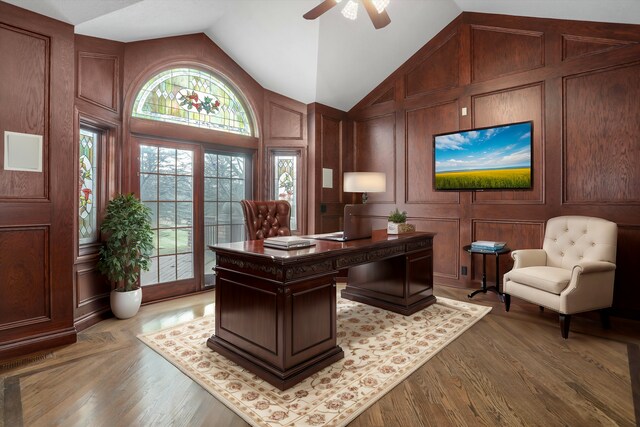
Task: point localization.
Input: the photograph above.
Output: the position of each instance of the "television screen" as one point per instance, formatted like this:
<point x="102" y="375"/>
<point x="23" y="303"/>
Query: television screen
<point x="492" y="158"/>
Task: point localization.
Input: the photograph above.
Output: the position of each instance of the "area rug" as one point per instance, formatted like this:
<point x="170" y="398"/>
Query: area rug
<point x="381" y="349"/>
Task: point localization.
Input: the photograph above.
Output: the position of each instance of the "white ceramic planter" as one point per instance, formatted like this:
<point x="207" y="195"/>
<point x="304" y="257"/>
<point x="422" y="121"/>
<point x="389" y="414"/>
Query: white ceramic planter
<point x="126" y="304"/>
<point x="395" y="228"/>
<point x="392" y="227"/>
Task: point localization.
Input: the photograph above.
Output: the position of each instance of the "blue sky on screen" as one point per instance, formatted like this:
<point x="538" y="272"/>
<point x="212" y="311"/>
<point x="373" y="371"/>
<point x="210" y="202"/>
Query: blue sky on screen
<point x="495" y="148"/>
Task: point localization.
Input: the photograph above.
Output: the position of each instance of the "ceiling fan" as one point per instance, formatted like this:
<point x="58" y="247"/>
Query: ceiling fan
<point x="375" y="9"/>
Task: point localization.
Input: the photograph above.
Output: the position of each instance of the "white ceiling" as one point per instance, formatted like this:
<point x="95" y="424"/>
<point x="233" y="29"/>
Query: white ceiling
<point x="331" y="60"/>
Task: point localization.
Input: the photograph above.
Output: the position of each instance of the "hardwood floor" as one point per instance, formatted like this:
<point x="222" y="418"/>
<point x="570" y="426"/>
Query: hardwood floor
<point x="509" y="369"/>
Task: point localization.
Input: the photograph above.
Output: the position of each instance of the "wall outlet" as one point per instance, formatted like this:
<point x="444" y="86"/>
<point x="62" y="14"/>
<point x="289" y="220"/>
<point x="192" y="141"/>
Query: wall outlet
<point x="463" y="270"/>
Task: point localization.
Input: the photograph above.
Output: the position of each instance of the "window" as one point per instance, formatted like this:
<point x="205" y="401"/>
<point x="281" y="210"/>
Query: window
<point x="166" y="187"/>
<point x="226" y="182"/>
<point x="195" y="98"/>
<point x="285" y="181"/>
<point x="88" y="187"/>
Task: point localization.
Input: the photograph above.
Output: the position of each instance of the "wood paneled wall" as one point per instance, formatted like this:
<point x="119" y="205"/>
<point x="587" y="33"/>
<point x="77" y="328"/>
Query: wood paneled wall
<point x="328" y="149"/>
<point x="98" y="104"/>
<point x="578" y="81"/>
<point x="36" y="208"/>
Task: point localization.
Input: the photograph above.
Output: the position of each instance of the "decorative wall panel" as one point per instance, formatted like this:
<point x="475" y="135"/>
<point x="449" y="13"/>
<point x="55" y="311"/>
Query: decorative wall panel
<point x="331" y="152"/>
<point x="497" y="52"/>
<point x="90" y="286"/>
<point x="576" y="46"/>
<point x="445" y="244"/>
<point x="285" y="123"/>
<point x="508" y="106"/>
<point x="374" y="142"/>
<point x="422" y="124"/>
<point x="438" y="71"/>
<point x="25" y="290"/>
<point x="385" y="97"/>
<point x="98" y="79"/>
<point x="601" y="149"/>
<point x="24" y="107"/>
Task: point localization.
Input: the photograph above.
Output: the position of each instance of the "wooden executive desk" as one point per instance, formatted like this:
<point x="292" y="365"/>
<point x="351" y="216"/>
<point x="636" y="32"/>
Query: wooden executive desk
<point x="276" y="309"/>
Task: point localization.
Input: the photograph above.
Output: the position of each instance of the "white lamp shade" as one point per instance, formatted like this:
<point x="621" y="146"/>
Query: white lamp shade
<point x="365" y="182"/>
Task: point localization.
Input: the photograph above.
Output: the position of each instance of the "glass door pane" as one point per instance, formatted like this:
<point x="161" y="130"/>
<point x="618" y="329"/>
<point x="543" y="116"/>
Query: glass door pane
<point x="226" y="182"/>
<point x="166" y="187"/>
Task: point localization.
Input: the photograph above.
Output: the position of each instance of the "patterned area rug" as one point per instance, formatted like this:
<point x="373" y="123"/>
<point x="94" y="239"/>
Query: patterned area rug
<point x="381" y="349"/>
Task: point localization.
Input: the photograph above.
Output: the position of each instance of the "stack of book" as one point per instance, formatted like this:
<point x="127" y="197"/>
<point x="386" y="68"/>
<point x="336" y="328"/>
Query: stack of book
<point x="486" y="245"/>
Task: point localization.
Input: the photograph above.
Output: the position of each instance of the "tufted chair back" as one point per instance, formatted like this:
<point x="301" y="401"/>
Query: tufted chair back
<point x="266" y="218"/>
<point x="570" y="240"/>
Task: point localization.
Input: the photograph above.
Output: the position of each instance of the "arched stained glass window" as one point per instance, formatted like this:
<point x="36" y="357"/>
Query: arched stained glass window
<point x="195" y="98"/>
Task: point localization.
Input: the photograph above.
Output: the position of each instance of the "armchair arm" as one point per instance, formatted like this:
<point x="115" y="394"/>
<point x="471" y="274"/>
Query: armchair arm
<point x="593" y="267"/>
<point x="590" y="287"/>
<point x="528" y="258"/>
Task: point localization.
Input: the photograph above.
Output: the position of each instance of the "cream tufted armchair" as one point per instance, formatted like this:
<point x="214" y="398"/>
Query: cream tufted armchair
<point x="572" y="273"/>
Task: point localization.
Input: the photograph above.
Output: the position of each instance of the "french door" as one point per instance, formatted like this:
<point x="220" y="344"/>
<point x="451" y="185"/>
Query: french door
<point x="194" y="197"/>
<point x="227" y="180"/>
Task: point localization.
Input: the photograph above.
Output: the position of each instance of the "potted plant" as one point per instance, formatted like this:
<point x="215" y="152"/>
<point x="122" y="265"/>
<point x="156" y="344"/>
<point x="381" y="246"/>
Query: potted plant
<point x="125" y="252"/>
<point x="397" y="223"/>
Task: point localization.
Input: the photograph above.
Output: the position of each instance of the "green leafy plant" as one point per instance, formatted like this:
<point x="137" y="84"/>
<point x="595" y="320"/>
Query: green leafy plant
<point x="398" y="217"/>
<point x="128" y="244"/>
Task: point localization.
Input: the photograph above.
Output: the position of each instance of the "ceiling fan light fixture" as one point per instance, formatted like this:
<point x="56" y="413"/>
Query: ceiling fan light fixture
<point x="350" y="11"/>
<point x="380" y="5"/>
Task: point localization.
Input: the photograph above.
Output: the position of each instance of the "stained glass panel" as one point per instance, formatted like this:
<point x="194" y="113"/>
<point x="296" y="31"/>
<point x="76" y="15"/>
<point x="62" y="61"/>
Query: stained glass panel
<point x="88" y="210"/>
<point x="194" y="98"/>
<point x="286" y="179"/>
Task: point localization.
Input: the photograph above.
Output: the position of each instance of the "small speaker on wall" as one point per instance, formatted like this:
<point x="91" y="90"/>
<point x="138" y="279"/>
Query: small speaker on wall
<point x="22" y="152"/>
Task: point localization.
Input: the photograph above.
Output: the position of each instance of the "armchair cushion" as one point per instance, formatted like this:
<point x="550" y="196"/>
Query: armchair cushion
<point x="548" y="279"/>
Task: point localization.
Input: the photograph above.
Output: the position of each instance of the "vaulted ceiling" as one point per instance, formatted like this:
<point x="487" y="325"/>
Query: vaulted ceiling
<point x="332" y="60"/>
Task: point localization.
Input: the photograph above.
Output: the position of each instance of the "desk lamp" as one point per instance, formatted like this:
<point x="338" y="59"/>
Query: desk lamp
<point x="365" y="182"/>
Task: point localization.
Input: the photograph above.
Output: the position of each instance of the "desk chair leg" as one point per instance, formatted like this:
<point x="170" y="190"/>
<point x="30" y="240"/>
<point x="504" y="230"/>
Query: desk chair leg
<point x="604" y="318"/>
<point x="565" y="320"/>
<point x="507" y="301"/>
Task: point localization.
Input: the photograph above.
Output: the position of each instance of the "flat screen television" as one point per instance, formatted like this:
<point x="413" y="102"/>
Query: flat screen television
<point x="490" y="158"/>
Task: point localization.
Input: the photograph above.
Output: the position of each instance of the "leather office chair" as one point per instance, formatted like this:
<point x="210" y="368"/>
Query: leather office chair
<point x="572" y="273"/>
<point x="264" y="219"/>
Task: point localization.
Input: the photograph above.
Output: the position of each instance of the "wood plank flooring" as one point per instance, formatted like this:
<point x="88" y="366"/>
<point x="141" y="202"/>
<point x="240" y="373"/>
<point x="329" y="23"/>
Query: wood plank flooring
<point x="510" y="369"/>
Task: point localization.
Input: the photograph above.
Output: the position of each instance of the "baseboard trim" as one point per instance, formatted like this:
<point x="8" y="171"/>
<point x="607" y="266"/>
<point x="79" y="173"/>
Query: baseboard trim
<point x="91" y="319"/>
<point x="40" y="342"/>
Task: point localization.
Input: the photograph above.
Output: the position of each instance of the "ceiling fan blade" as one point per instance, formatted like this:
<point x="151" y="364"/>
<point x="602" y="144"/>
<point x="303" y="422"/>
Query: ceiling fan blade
<point x="320" y="9"/>
<point x="379" y="20"/>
